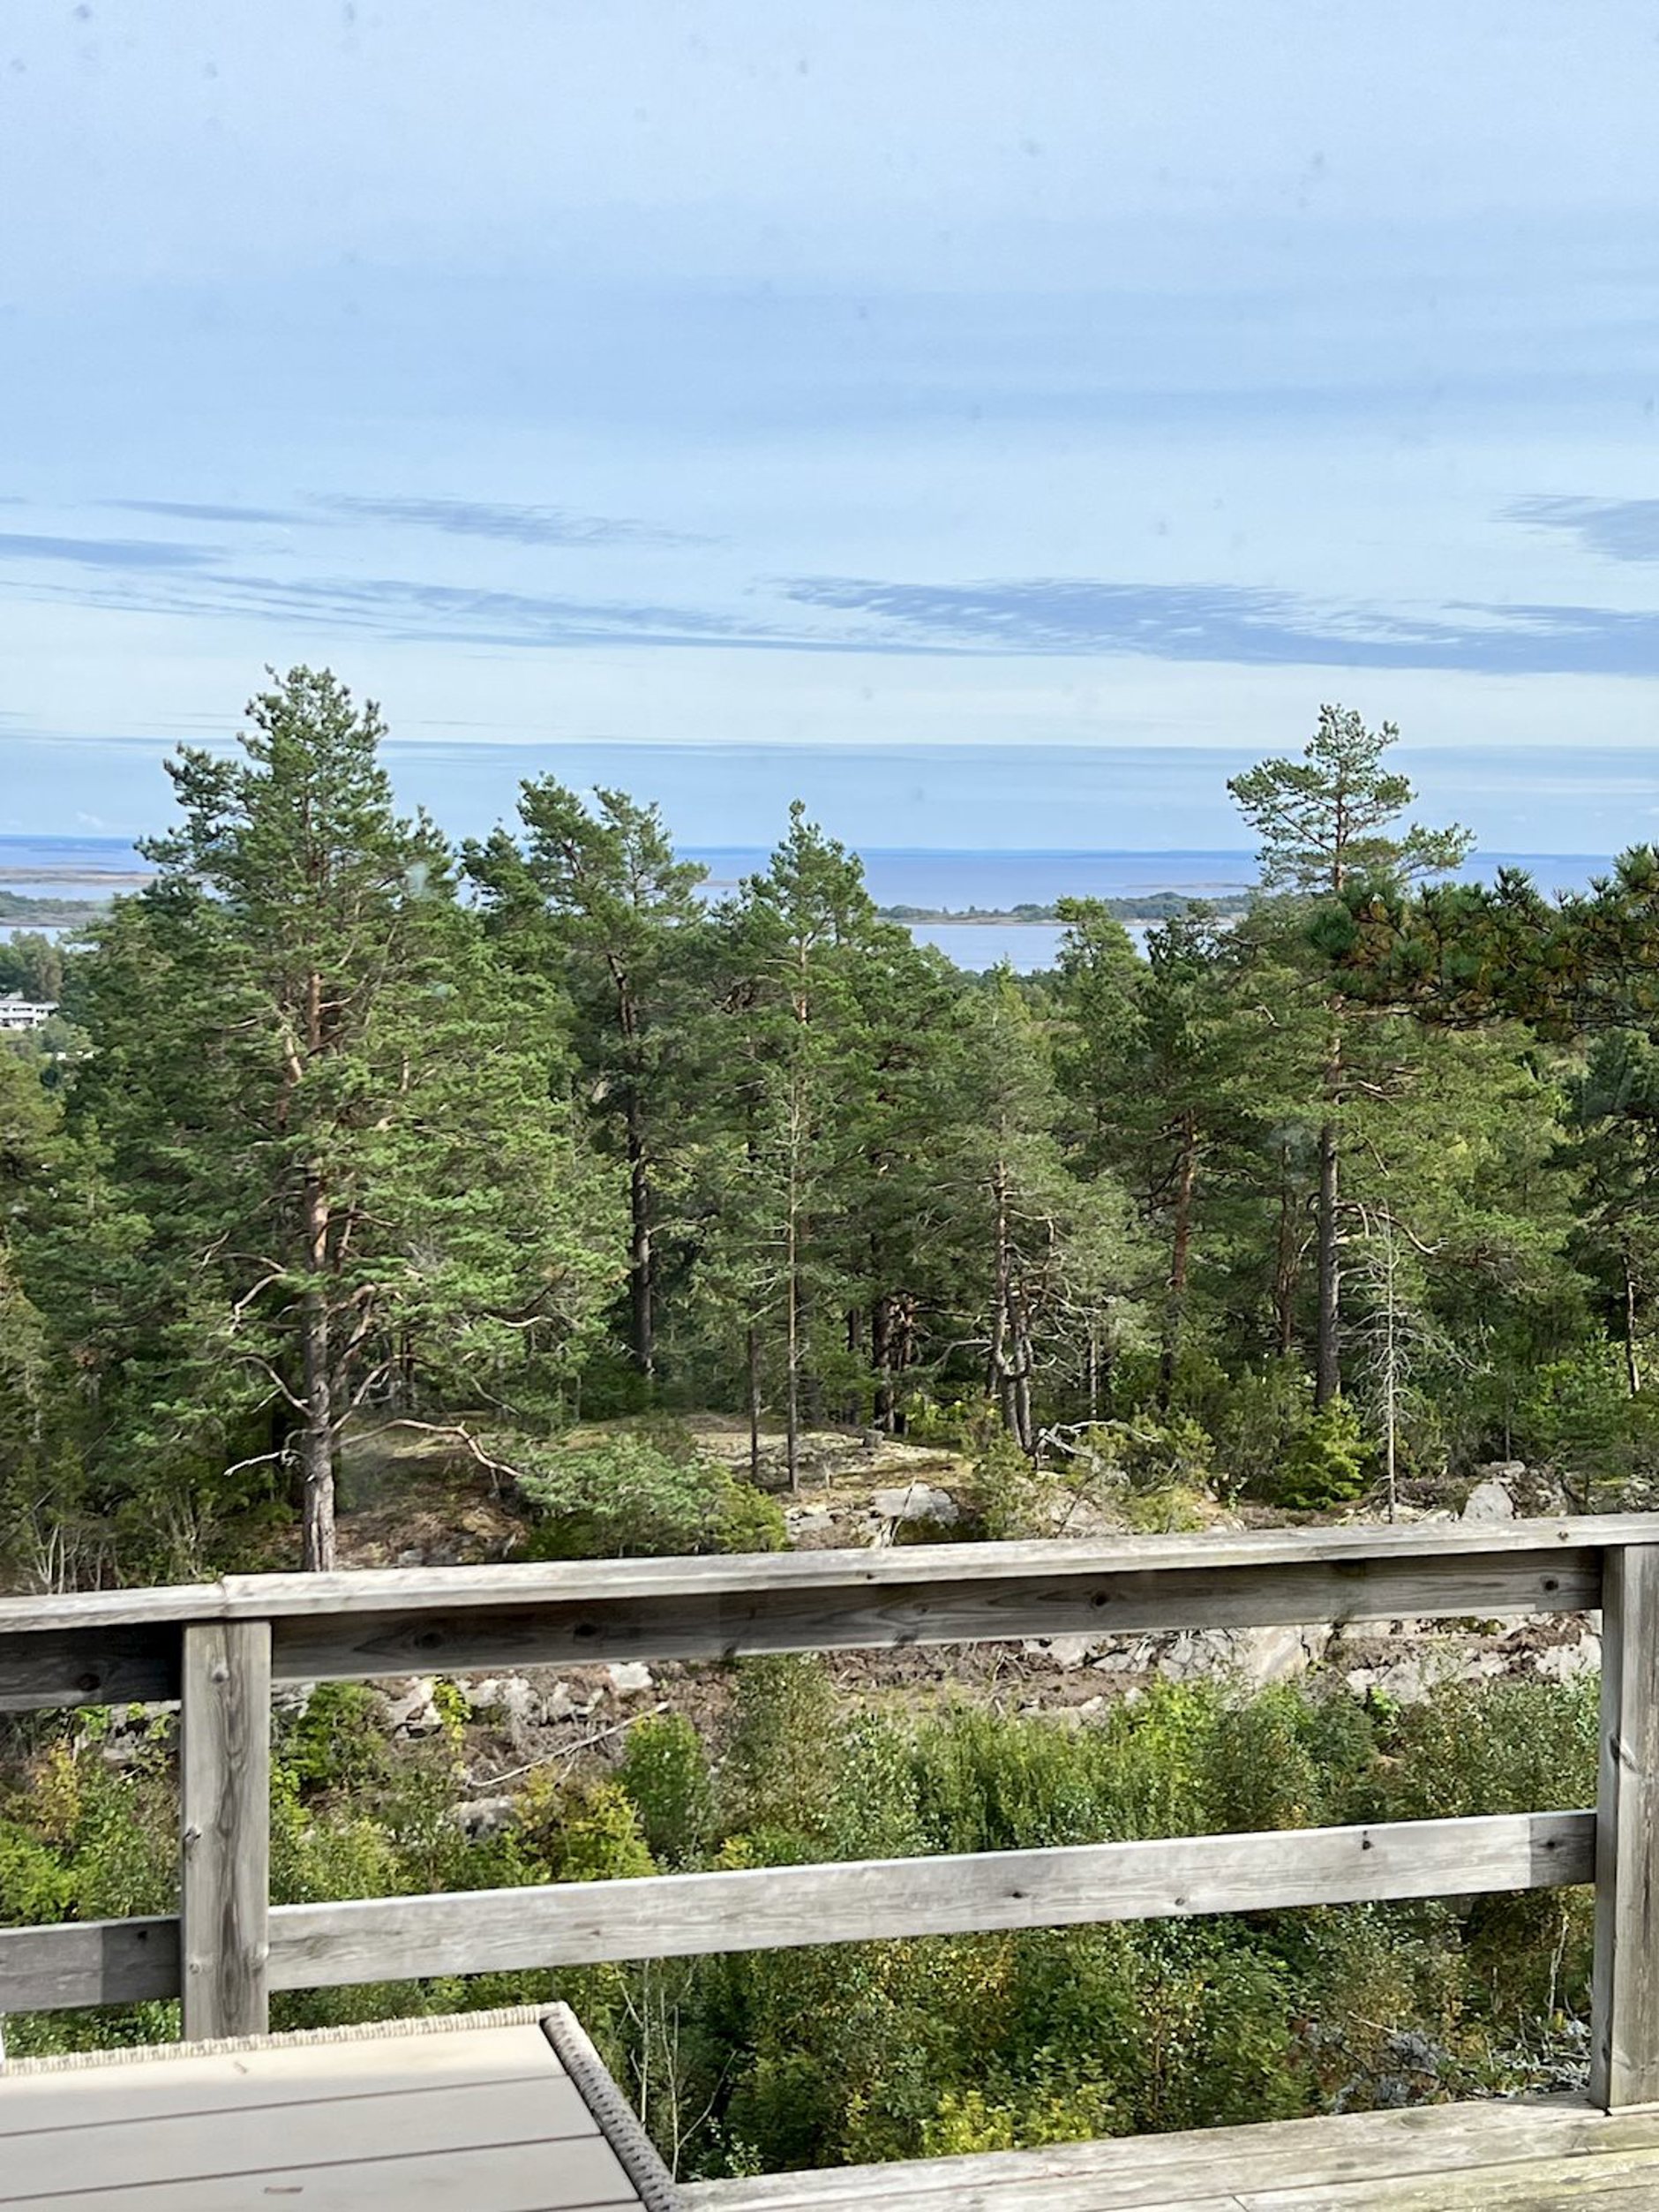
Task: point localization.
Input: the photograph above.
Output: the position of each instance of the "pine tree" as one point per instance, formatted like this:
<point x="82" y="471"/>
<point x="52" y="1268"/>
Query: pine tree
<point x="31" y="1156"/>
<point x="1048" y="1261"/>
<point x="343" y="1134"/>
<point x="595" y="899"/>
<point x="895" y="1113"/>
<point x="791" y="944"/>
<point x="1326" y="822"/>
<point x="1614" y="1150"/>
<point x="1170" y="1067"/>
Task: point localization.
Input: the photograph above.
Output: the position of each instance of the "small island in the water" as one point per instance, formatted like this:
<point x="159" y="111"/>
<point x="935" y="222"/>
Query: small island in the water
<point x="1144" y="907"/>
<point x="19" y="911"/>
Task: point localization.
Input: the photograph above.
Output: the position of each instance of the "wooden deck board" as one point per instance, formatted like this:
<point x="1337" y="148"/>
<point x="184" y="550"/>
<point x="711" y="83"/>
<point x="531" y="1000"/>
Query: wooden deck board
<point x="499" y="2118"/>
<point x="513" y="2115"/>
<point x="246" y="2080"/>
<point x="502" y="2178"/>
<point x="1549" y="2184"/>
<point x="333" y="2126"/>
<point x="1432" y="2158"/>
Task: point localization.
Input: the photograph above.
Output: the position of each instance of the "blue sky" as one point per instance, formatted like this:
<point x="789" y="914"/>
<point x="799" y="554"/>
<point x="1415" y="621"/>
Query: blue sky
<point x="995" y="423"/>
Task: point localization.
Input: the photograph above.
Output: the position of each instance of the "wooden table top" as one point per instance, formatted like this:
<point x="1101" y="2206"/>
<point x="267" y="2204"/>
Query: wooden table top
<point x="491" y="2113"/>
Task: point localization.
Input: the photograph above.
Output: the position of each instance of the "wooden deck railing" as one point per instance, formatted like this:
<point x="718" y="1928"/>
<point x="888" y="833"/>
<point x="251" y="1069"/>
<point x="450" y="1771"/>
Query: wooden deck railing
<point x="217" y="1648"/>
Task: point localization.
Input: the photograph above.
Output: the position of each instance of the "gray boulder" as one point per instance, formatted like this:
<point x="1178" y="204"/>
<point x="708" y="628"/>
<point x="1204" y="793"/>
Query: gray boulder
<point x="916" y="1501"/>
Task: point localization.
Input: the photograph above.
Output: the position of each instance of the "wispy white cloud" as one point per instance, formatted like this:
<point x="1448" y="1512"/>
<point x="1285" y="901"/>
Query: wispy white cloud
<point x="1037" y="617"/>
<point x="1080" y="370"/>
<point x="104" y="553"/>
<point x="507" y="522"/>
<point x="203" y="510"/>
<point x="1617" y="530"/>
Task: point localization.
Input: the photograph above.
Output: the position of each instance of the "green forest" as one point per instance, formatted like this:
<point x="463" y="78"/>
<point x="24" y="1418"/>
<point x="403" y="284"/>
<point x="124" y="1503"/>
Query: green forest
<point x="532" y="1151"/>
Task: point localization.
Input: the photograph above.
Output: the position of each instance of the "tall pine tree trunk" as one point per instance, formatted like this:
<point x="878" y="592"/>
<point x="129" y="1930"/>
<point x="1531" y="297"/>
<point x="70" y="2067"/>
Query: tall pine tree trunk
<point x="996" y="1371"/>
<point x="1180" y="1254"/>
<point x="1286" y="1265"/>
<point x="1327" y="1376"/>
<point x="902" y="1353"/>
<point x="317" y="1427"/>
<point x="1010" y="1362"/>
<point x="1327" y="1365"/>
<point x="792" y="1323"/>
<point x="1024" y="1360"/>
<point x="754" y="1391"/>
<point x="641" y="1288"/>
<point x="1632" y="1355"/>
<point x="853" y="1405"/>
<point x="882" y="1359"/>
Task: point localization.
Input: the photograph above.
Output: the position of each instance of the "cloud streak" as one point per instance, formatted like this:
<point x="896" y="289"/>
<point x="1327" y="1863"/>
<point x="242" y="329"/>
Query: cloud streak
<point x="1618" y="530"/>
<point x="202" y="511"/>
<point x="104" y="553"/>
<point x="506" y="523"/>
<point x="1235" y="623"/>
<point x="1019" y="617"/>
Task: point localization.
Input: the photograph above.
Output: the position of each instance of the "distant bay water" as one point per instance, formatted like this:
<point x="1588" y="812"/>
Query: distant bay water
<point x="95" y="868"/>
<point x="995" y="883"/>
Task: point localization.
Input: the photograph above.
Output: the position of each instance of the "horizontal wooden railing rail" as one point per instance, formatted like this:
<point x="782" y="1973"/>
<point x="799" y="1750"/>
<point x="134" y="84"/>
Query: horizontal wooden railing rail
<point x="218" y="1647"/>
<point x="112" y="1646"/>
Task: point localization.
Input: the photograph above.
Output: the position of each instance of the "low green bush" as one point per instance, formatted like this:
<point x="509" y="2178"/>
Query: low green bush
<point x="1327" y="1464"/>
<point x="841" y="2053"/>
<point x="634" y="1494"/>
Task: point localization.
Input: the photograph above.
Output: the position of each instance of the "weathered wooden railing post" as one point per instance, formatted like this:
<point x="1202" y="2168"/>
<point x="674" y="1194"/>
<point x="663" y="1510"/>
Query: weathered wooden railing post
<point x="224" y="1798"/>
<point x="1624" y="2029"/>
<point x="216" y="1647"/>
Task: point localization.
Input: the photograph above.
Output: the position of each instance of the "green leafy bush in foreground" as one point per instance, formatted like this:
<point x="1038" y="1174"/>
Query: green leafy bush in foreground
<point x="908" y="2048"/>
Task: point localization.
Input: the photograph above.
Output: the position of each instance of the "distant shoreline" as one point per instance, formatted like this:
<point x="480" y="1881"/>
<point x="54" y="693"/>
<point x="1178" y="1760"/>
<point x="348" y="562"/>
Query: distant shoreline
<point x="116" y="879"/>
<point x="18" y="912"/>
<point x="1144" y="911"/>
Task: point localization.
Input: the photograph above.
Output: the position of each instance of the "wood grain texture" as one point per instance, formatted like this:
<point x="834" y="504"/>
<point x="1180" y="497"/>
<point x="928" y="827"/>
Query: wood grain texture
<point x="1356" y="1541"/>
<point x="778" y="1908"/>
<point x="120" y="1664"/>
<point x="106" y="1645"/>
<point x="535" y="2176"/>
<point x="247" y="1597"/>
<point x="1438" y="2146"/>
<point x="225" y="1827"/>
<point x="331" y="2127"/>
<point x="958" y="1565"/>
<point x="853" y="1616"/>
<point x="1625" y="2026"/>
<point x="89" y="1962"/>
<point x="852" y="1612"/>
<point x="254" y="2077"/>
<point x="477" y="2112"/>
<point x="373" y="1939"/>
<point x="1575" y="2184"/>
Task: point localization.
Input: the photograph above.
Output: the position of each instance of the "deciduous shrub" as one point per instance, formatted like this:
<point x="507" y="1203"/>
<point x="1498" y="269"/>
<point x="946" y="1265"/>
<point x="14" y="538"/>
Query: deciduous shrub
<point x="628" y="1495"/>
<point x="848" y="2052"/>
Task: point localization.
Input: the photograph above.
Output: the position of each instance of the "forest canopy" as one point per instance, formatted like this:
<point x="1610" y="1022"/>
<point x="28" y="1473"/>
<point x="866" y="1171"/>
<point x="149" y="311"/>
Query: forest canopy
<point x="1350" y="1190"/>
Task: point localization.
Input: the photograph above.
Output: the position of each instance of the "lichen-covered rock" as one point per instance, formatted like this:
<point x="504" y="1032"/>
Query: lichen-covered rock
<point x="510" y="1696"/>
<point x="413" y="1711"/>
<point x="916" y="1501"/>
<point x="482" y="1818"/>
<point x="1490" y="1499"/>
<point x="1566" y="1662"/>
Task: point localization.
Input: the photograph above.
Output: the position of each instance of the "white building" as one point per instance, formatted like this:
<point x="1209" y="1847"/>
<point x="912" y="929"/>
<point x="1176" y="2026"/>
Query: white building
<point x="18" y="1012"/>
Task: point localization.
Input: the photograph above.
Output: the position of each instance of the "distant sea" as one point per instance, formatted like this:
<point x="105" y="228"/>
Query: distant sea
<point x="94" y="867"/>
<point x="997" y="882"/>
